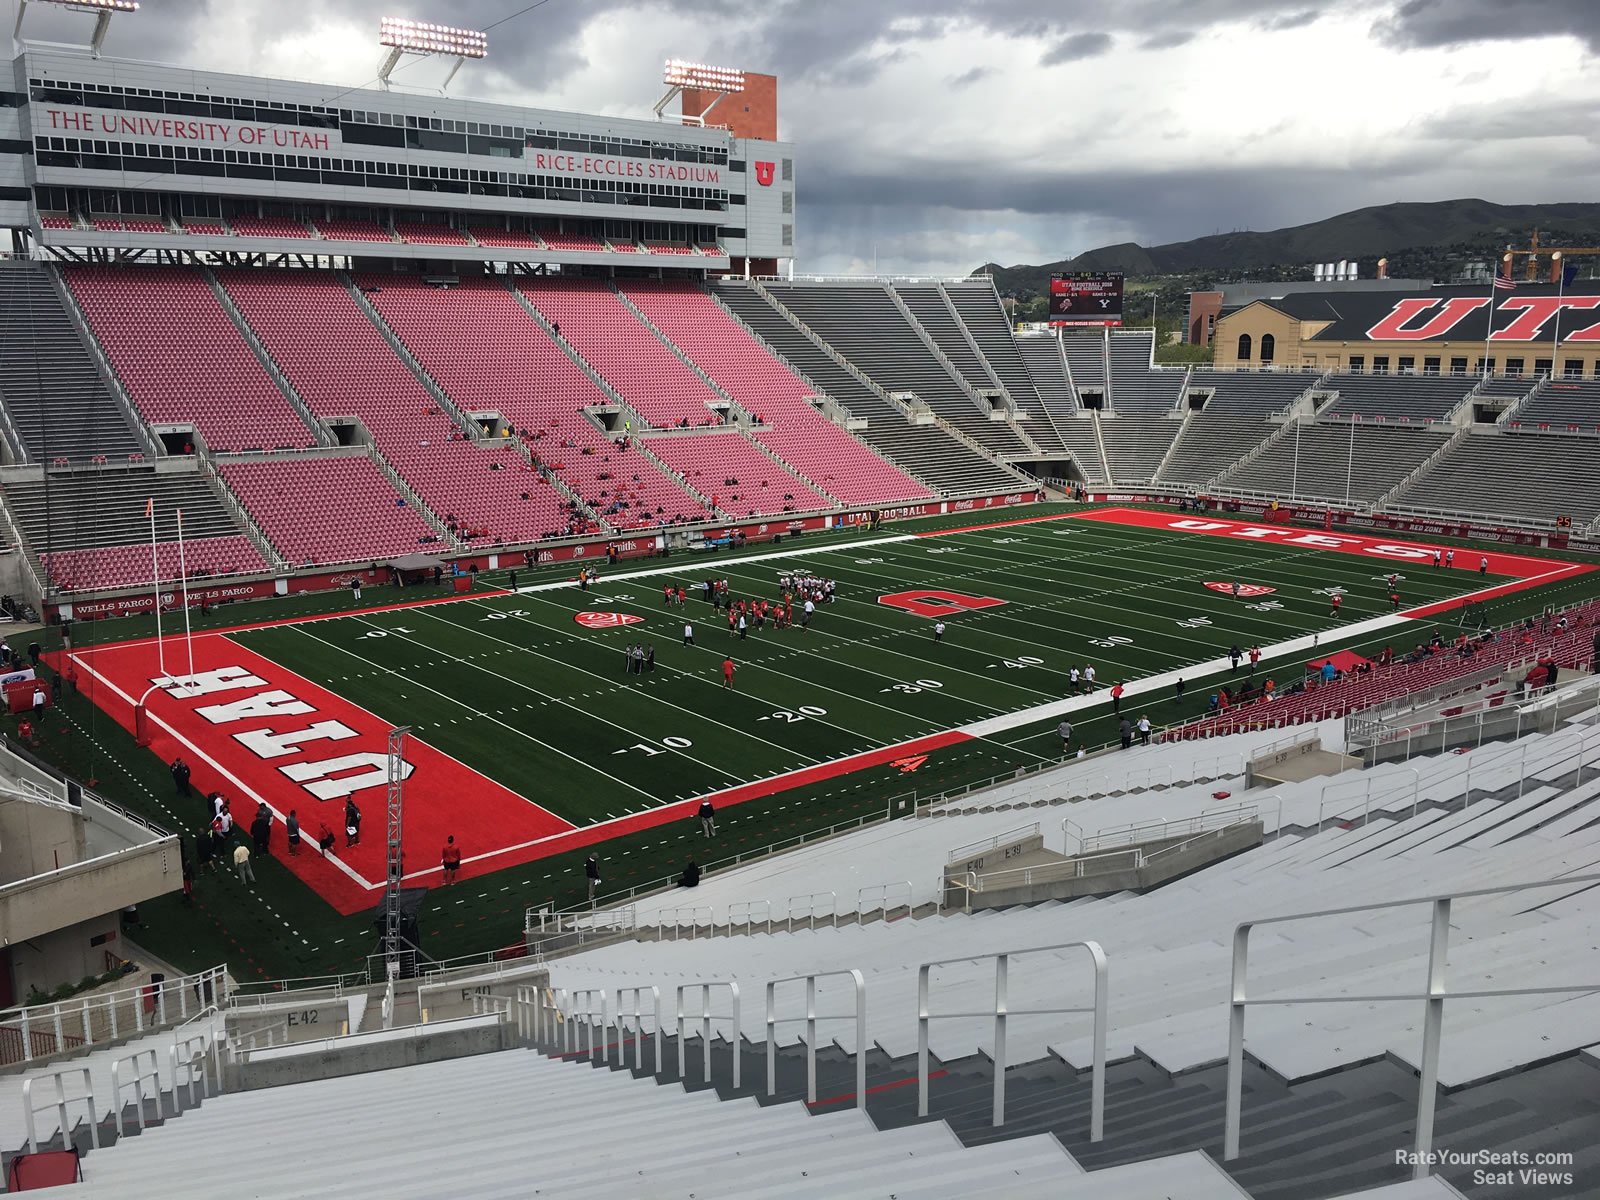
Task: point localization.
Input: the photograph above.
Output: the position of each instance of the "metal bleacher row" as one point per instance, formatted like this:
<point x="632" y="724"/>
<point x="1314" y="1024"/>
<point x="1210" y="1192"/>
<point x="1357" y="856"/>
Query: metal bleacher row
<point x="715" y="1108"/>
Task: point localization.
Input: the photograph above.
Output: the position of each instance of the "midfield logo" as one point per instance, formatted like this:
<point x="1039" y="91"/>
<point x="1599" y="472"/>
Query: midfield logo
<point x="1245" y="589"/>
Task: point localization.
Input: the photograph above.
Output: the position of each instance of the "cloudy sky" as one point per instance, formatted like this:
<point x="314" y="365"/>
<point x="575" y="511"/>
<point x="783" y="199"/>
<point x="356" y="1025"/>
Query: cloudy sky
<point x="935" y="135"/>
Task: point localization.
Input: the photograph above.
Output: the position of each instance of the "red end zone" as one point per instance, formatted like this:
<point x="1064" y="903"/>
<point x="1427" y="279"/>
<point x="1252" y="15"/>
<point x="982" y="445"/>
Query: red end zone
<point x="259" y="732"/>
<point x="1526" y="571"/>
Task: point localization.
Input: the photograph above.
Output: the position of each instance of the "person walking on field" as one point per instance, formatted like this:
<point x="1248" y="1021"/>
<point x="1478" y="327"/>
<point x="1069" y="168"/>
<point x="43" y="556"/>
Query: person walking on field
<point x="1483" y="566"/>
<point x="450" y="859"/>
<point x="355" y="589"/>
<point x="1144" y="731"/>
<point x="1235" y="655"/>
<point x="727" y="673"/>
<point x="688" y="634"/>
<point x="1255" y="657"/>
<point x="1125" y="730"/>
<point x="591" y="872"/>
<point x="293" y="826"/>
<point x="1116" y="697"/>
<point x="241" y="863"/>
<point x="708" y="819"/>
<point x="1065" y="730"/>
<point x="1449" y="558"/>
<point x="1337" y="601"/>
<point x="938" y="631"/>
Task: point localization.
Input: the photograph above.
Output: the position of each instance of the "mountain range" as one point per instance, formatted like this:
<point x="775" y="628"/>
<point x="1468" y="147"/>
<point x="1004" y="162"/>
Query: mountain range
<point x="1419" y="239"/>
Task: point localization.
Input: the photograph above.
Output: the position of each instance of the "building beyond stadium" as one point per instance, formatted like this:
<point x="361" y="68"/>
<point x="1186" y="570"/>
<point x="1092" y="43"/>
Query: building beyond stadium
<point x="109" y="153"/>
<point x="1538" y="329"/>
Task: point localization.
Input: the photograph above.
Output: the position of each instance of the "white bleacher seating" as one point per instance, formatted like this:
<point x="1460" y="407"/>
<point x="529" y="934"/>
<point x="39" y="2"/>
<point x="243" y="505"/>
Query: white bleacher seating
<point x="925" y="451"/>
<point x="1137" y="384"/>
<point x="1516" y="475"/>
<point x="1416" y="399"/>
<point x="1339" y="461"/>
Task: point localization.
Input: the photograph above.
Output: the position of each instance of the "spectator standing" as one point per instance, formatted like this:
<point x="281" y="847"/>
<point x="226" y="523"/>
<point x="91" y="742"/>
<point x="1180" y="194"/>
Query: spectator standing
<point x="727" y="673"/>
<point x="1144" y="731"/>
<point x="591" y="872"/>
<point x="708" y="819"/>
<point x="352" y="823"/>
<point x="1116" y="697"/>
<point x="688" y="634"/>
<point x="450" y="859"/>
<point x="1125" y="729"/>
<point x="355" y="589"/>
<point x="180" y="776"/>
<point x="241" y="863"/>
<point x="1065" y="730"/>
<point x="938" y="631"/>
<point x="292" y="827"/>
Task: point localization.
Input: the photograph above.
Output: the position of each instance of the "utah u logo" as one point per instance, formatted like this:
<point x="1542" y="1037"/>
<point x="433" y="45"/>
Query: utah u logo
<point x="764" y="173"/>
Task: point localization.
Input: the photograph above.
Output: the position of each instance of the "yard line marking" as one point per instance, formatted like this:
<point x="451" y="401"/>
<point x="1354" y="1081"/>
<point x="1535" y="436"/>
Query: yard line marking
<point x="463" y="704"/>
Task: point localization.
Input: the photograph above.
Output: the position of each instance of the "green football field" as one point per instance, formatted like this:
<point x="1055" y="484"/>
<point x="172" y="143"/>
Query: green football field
<point x="516" y="688"/>
<point x="528" y="695"/>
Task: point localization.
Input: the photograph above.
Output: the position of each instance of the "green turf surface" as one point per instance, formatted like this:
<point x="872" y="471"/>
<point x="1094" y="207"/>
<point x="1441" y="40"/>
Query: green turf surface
<point x="517" y="689"/>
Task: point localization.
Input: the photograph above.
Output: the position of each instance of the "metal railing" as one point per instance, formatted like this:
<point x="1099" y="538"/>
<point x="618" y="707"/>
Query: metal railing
<point x="1433" y="995"/>
<point x="638" y="993"/>
<point x="673" y="918"/>
<point x="810" y="913"/>
<point x="1154" y="831"/>
<point x="44" y="1030"/>
<point x="142" y="1065"/>
<point x="1000" y="839"/>
<point x="191" y="1055"/>
<point x="746" y="910"/>
<point x="883" y="893"/>
<point x="60" y="1102"/>
<point x="683" y="1018"/>
<point x="588" y="1012"/>
<point x="858" y="985"/>
<point x="1001" y="1012"/>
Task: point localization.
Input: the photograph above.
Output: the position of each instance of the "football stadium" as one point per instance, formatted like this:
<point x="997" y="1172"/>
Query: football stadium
<point x="486" y="633"/>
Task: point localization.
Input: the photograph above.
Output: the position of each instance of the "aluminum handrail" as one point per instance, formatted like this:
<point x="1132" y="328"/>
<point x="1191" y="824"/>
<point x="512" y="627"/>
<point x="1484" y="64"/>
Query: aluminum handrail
<point x="587" y="995"/>
<point x="811" y="909"/>
<point x="48" y="1020"/>
<point x="1150" y="831"/>
<point x="747" y="909"/>
<point x="1434" y="994"/>
<point x="858" y="985"/>
<point x="152" y="1072"/>
<point x="999" y="839"/>
<point x="638" y="993"/>
<point x="60" y="1103"/>
<point x="705" y="986"/>
<point x="883" y="891"/>
<point x="184" y="1055"/>
<point x="1002" y="1011"/>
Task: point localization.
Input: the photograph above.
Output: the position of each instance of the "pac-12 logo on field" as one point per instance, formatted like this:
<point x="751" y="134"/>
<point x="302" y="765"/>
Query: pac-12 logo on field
<point x="606" y="620"/>
<point x="1245" y="589"/>
<point x="935" y="602"/>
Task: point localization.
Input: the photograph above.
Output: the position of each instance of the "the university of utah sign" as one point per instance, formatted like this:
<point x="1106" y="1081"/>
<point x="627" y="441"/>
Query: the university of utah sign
<point x="1520" y="318"/>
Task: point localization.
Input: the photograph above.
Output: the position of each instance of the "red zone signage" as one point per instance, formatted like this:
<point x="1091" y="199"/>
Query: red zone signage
<point x="1426" y="319"/>
<point x="606" y="620"/>
<point x="1245" y="589"/>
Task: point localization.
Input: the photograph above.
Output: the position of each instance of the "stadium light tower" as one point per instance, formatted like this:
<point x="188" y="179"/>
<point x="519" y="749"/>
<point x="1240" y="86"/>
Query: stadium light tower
<point x="425" y="39"/>
<point x="723" y="81"/>
<point x="101" y="10"/>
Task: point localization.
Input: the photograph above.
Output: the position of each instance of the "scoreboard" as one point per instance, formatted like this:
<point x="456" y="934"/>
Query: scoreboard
<point x="1086" y="298"/>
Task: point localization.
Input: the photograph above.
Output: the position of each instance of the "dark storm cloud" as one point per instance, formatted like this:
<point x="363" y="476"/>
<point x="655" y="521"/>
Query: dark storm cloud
<point x="1293" y="20"/>
<point x="970" y="77"/>
<point x="1455" y="22"/>
<point x="1074" y="47"/>
<point x="1169" y="40"/>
